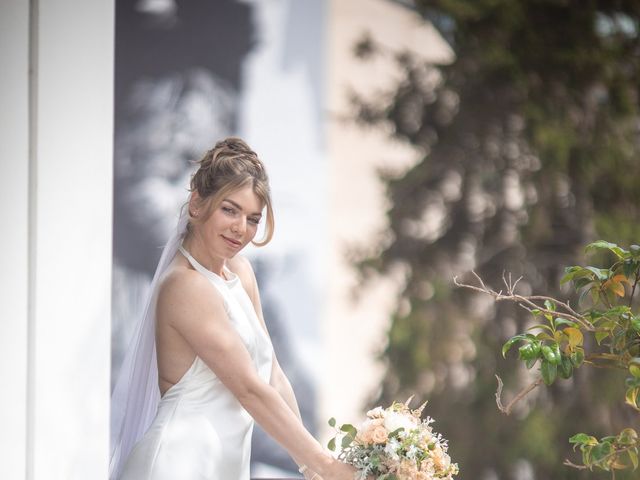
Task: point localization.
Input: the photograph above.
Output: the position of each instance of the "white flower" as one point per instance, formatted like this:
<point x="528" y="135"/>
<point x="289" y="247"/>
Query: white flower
<point x="395" y="420"/>
<point x="391" y="449"/>
<point x="412" y="451"/>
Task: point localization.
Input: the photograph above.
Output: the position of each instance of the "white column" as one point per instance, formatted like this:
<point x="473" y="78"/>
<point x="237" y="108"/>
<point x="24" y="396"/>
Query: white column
<point x="73" y="198"/>
<point x="14" y="218"/>
<point x="55" y="208"/>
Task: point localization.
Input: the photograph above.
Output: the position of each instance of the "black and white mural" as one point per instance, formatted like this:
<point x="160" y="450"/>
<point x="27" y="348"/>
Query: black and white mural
<point x="187" y="74"/>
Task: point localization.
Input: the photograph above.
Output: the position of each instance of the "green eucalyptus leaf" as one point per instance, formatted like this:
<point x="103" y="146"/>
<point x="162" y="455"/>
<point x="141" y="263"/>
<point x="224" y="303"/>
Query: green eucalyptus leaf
<point x="346" y="441"/>
<point x="349" y="429"/>
<point x="332" y="422"/>
<point x="332" y="444"/>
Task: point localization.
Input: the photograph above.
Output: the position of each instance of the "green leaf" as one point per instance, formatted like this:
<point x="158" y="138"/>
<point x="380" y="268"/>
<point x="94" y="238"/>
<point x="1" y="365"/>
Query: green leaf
<point x="601" y="336"/>
<point x="563" y="321"/>
<point x="600" y="273"/>
<point x="584" y="293"/>
<point x="582" y="282"/>
<point x="349" y="429"/>
<point x="544" y="336"/>
<point x="531" y="362"/>
<point x="332" y="422"/>
<point x="631" y="397"/>
<point x="583" y="439"/>
<point x="577" y="357"/>
<point x="633" y="456"/>
<point x="634" y="367"/>
<point x="628" y="436"/>
<point x="575" y="336"/>
<point x="604" y="245"/>
<point x="541" y="326"/>
<point x="527" y="352"/>
<point x="346" y="441"/>
<point x="549" y="305"/>
<point x="549" y="372"/>
<point x="332" y="444"/>
<point x="509" y="343"/>
<point x="601" y="451"/>
<point x="565" y="368"/>
<point x="571" y="273"/>
<point x="629" y="267"/>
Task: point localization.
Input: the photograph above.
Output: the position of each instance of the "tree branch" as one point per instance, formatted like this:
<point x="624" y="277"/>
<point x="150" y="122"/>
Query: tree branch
<point x="519" y="396"/>
<point x="527" y="302"/>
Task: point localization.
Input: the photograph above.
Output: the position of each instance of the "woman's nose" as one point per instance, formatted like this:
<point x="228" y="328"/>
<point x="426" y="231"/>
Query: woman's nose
<point x="241" y="225"/>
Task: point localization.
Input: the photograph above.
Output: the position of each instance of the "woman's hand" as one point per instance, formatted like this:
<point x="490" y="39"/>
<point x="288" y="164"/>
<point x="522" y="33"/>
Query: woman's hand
<point x="336" y="470"/>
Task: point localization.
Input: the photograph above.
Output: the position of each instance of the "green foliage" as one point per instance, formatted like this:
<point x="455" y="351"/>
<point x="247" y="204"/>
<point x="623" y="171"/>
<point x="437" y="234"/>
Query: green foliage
<point x="530" y="152"/>
<point x="610" y="320"/>
<point x="609" y="453"/>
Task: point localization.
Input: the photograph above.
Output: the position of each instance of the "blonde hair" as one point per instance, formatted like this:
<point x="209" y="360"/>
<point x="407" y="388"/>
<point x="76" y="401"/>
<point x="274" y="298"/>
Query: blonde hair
<point x="229" y="166"/>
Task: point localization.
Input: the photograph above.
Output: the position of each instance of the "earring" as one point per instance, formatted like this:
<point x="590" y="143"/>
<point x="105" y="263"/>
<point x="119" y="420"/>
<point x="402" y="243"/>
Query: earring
<point x="193" y="214"/>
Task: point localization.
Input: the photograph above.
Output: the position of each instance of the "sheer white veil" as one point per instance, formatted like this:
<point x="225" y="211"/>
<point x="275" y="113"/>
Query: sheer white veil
<point x="136" y="395"/>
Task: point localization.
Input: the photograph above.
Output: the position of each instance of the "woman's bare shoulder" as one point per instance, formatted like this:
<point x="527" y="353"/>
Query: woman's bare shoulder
<point x="182" y="290"/>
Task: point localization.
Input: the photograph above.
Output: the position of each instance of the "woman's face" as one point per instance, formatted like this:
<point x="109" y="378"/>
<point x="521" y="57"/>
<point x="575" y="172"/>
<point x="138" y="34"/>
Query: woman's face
<point x="233" y="223"/>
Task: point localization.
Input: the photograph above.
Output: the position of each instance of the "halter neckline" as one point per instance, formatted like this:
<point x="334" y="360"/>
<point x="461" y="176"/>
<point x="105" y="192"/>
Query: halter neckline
<point x="232" y="277"/>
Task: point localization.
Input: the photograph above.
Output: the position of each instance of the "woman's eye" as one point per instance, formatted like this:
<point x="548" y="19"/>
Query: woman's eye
<point x="255" y="221"/>
<point x="228" y="210"/>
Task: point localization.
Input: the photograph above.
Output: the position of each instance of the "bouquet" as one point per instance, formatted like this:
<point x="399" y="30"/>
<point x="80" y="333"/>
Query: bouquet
<point x="394" y="444"/>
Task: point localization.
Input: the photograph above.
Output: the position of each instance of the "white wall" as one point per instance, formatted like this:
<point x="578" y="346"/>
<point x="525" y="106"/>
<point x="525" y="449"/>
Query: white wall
<point x="14" y="205"/>
<point x="55" y="212"/>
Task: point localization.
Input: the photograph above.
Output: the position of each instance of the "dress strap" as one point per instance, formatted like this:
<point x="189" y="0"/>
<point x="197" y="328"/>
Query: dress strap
<point x="214" y="277"/>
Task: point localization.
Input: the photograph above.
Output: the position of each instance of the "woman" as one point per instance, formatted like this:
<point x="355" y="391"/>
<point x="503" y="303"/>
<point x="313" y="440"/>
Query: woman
<point x="216" y="370"/>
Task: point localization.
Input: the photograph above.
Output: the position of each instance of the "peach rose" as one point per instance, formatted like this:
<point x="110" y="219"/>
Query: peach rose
<point x="379" y="434"/>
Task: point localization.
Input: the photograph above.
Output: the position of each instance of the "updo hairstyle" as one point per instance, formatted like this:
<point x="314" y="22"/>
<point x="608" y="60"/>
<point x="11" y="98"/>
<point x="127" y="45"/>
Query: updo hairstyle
<point x="229" y="166"/>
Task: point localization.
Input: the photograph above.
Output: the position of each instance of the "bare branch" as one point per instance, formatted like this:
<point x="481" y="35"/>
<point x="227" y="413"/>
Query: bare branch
<point x="528" y="302"/>
<point x="520" y="395"/>
<point x="569" y="463"/>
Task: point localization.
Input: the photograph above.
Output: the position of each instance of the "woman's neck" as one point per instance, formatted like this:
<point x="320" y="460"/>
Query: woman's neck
<point x="198" y="250"/>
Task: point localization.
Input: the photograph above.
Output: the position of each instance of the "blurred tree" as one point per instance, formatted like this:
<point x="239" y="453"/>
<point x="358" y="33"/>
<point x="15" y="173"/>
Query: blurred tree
<point x="531" y="142"/>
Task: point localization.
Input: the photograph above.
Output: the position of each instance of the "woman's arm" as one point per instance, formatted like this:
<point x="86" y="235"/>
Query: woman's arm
<point x="190" y="304"/>
<point x="278" y="378"/>
<point x="281" y="383"/>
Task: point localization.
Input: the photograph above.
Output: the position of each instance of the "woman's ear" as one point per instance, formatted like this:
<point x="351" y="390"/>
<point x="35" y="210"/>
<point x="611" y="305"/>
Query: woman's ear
<point x="195" y="202"/>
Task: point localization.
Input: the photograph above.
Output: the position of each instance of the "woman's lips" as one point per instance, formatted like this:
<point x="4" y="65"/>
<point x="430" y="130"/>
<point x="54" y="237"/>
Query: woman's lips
<point x="233" y="243"/>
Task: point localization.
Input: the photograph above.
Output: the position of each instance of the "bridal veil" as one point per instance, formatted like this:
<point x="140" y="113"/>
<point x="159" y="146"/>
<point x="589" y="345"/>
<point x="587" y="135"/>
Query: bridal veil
<point x="136" y="394"/>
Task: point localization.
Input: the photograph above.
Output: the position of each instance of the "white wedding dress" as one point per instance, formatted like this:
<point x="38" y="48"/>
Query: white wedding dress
<point x="200" y="431"/>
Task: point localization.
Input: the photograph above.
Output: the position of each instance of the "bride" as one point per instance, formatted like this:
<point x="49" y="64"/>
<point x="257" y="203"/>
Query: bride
<point x="202" y="368"/>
